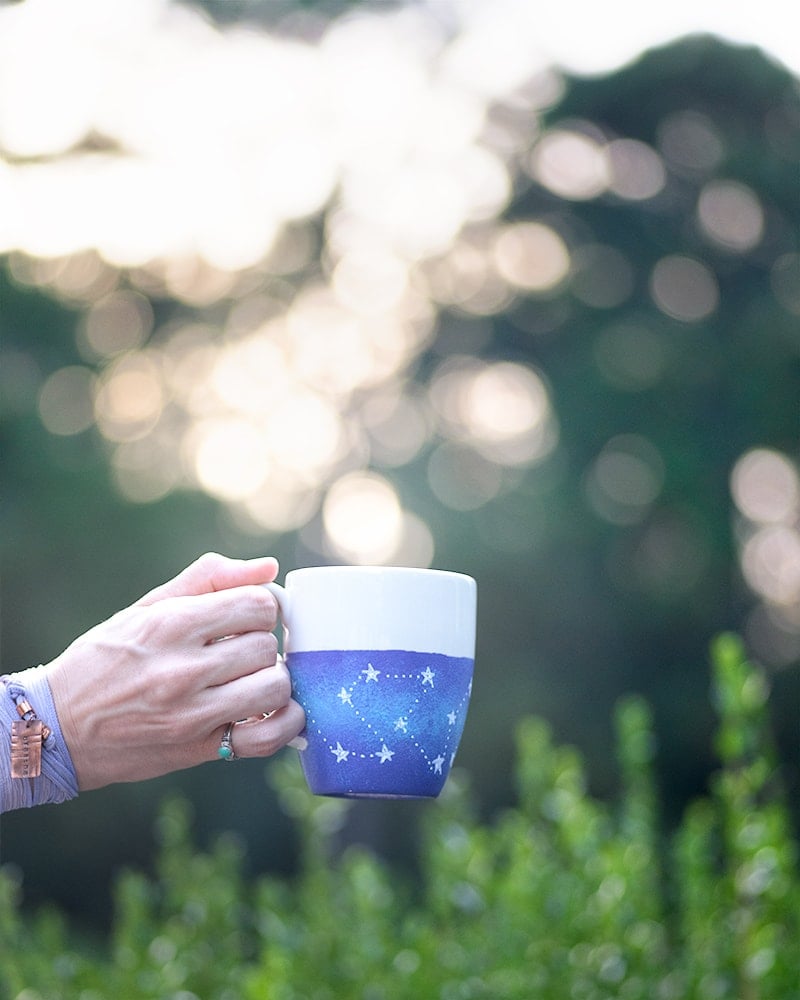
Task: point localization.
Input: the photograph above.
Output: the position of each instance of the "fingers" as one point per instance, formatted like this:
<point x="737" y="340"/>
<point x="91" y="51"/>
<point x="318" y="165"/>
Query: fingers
<point x="213" y="572"/>
<point x="192" y="622"/>
<point x="232" y="612"/>
<point x="262" y="737"/>
<point x="240" y="655"/>
<point x="253" y="694"/>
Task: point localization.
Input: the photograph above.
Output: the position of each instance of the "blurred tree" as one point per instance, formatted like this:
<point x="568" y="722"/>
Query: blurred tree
<point x="605" y="566"/>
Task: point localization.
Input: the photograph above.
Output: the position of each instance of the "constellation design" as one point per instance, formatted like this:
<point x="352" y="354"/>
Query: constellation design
<point x="382" y="711"/>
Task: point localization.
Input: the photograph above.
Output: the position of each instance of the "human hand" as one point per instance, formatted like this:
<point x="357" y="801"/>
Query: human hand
<point x="150" y="690"/>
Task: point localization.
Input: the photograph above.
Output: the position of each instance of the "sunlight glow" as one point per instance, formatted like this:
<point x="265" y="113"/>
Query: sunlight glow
<point x="571" y="164"/>
<point x="363" y="518"/>
<point x="532" y="256"/>
<point x="771" y="564"/>
<point x="766" y="487"/>
<point x="265" y="237"/>
<point x="130" y="398"/>
<point x="306" y="436"/>
<point x="501" y="410"/>
<point x="117" y="323"/>
<point x="230" y="457"/>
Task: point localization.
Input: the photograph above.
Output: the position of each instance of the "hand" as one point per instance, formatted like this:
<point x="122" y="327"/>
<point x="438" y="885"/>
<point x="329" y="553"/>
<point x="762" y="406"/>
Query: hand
<point x="151" y="690"/>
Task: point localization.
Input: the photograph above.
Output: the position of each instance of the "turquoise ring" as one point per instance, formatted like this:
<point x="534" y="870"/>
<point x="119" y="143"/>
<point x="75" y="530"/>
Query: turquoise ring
<point x="225" y="750"/>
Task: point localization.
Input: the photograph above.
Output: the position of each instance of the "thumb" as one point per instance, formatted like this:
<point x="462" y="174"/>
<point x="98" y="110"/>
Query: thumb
<point x="213" y="572"/>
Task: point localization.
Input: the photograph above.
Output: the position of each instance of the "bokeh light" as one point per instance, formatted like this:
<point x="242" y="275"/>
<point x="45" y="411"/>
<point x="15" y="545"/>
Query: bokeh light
<point x="501" y="410"/>
<point x="532" y="256"/>
<point x="115" y="323"/>
<point x="625" y="479"/>
<point x="637" y="171"/>
<point x="731" y="215"/>
<point x="771" y="564"/>
<point x="66" y="400"/>
<point x="384" y="283"/>
<point x="603" y="276"/>
<point x="765" y="486"/>
<point x="327" y="216"/>
<point x="363" y="518"/>
<point x="691" y="142"/>
<point x="130" y="398"/>
<point x="572" y="163"/>
<point x="684" y="288"/>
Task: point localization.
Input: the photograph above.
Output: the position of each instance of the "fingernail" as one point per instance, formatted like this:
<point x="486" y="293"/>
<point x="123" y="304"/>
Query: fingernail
<point x="299" y="743"/>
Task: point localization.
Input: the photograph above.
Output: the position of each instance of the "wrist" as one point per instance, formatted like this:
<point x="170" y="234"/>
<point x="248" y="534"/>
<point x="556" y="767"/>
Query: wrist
<point x="27" y="700"/>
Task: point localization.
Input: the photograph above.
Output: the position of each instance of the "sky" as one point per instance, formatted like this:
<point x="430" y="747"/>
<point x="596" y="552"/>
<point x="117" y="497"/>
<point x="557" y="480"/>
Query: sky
<point x="589" y="38"/>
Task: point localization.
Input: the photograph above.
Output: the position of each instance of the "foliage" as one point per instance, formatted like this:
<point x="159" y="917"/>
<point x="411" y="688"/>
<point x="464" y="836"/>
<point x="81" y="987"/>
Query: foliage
<point x="561" y="896"/>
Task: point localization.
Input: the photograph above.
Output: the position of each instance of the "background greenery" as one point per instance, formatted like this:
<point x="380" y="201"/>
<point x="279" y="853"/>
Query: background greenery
<point x="560" y="895"/>
<point x="579" y="605"/>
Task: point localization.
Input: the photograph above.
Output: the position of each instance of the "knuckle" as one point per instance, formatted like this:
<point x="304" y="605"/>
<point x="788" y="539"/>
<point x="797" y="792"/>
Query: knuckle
<point x="265" y="604"/>
<point x="274" y="608"/>
<point x="280" y="686"/>
<point x="255" y="603"/>
<point x="270" y="649"/>
<point x="168" y="686"/>
<point x="209" y="561"/>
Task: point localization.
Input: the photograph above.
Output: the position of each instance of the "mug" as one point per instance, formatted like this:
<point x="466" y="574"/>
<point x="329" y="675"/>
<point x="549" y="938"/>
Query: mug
<point x="381" y="659"/>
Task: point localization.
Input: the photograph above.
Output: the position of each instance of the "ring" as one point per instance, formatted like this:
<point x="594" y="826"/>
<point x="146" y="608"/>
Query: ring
<point x="225" y="749"/>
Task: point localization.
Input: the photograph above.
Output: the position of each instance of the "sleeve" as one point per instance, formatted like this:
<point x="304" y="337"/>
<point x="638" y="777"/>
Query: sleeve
<point x="57" y="782"/>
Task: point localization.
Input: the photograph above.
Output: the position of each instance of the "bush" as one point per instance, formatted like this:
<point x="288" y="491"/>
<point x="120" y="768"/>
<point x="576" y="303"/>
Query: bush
<point x="561" y="897"/>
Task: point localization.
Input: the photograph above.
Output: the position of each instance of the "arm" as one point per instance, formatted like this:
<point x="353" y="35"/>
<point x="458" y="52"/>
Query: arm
<point x="152" y="689"/>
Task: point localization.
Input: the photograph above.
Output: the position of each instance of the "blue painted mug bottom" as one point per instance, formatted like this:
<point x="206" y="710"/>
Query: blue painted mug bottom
<point x="380" y="723"/>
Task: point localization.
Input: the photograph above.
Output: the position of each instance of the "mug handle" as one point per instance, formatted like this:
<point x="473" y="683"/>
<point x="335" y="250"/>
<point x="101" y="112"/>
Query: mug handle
<point x="280" y="595"/>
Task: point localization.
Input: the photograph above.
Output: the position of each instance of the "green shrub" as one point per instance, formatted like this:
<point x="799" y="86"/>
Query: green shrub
<point x="562" y="897"/>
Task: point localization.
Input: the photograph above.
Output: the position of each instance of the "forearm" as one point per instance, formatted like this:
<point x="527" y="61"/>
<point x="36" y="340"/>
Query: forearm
<point x="57" y="781"/>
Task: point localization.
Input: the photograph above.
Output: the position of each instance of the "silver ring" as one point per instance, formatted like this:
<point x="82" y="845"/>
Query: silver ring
<point x="225" y="749"/>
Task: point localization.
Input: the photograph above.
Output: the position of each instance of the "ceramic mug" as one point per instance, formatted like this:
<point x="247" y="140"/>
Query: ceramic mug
<point x="381" y="659"/>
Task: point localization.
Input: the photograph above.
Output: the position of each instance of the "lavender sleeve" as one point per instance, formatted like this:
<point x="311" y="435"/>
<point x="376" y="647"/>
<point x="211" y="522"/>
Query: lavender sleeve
<point x="57" y="782"/>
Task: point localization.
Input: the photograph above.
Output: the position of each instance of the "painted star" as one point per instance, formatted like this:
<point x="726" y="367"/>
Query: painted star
<point x="401" y="724"/>
<point x="437" y="765"/>
<point x="385" y="754"/>
<point x="427" y="676"/>
<point x="340" y="753"/>
<point x="451" y="718"/>
<point x="371" y="672"/>
<point x="347" y="698"/>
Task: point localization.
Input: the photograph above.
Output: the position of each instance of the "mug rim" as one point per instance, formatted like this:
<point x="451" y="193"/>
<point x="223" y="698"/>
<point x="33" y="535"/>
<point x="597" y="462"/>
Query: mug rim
<point x="378" y="570"/>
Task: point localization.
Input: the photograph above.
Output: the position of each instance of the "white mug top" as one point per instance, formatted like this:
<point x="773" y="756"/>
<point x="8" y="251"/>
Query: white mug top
<point x="379" y="607"/>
